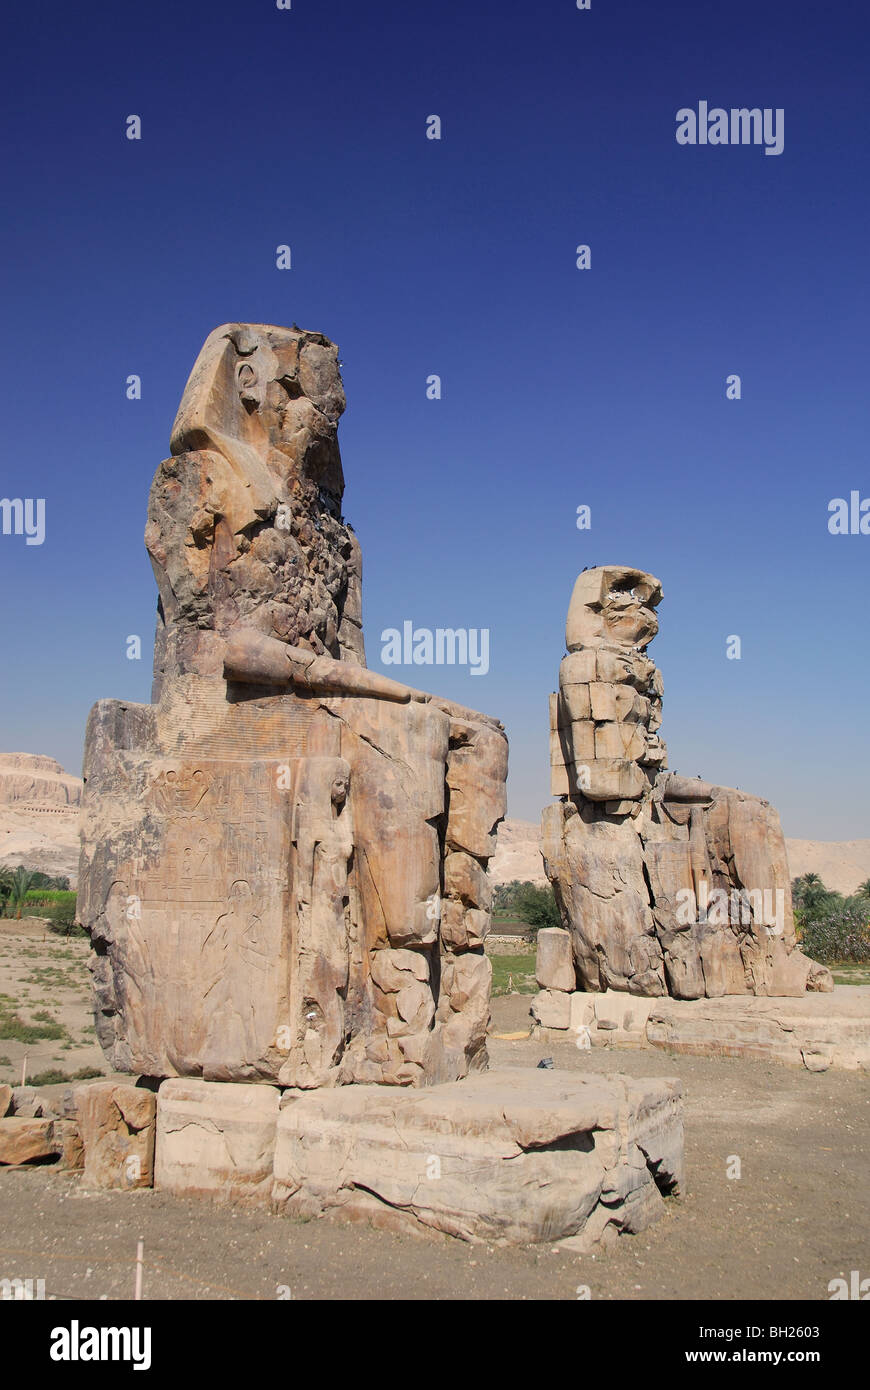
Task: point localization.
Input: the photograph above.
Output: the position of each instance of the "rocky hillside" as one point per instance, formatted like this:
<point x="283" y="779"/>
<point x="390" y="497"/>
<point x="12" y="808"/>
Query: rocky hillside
<point x="39" y="814"/>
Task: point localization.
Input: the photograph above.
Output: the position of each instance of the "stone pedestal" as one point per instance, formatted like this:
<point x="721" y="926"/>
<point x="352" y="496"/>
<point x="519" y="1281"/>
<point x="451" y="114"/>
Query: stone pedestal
<point x="216" y="1140"/>
<point x="511" y="1157"/>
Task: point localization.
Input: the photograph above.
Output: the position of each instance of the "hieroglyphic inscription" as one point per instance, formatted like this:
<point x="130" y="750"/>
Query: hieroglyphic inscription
<point x="212" y="904"/>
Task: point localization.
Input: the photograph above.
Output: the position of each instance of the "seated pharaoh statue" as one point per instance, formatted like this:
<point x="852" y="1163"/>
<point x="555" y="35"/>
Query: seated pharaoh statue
<point x="668" y="885"/>
<point x="283" y="867"/>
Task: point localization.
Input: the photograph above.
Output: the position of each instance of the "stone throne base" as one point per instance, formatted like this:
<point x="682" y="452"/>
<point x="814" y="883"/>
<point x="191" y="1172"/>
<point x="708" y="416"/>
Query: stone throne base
<point x="507" y="1157"/>
<point x="815" y="1031"/>
<point x="240" y="934"/>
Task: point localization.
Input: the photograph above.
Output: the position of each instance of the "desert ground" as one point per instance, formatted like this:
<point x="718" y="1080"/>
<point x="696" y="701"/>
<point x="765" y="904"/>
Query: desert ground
<point x="796" y="1218"/>
<point x="44" y="983"/>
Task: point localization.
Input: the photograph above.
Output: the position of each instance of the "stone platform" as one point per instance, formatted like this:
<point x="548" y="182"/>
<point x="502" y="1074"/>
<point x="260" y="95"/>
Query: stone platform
<point x="816" y="1031"/>
<point x="508" y="1157"/>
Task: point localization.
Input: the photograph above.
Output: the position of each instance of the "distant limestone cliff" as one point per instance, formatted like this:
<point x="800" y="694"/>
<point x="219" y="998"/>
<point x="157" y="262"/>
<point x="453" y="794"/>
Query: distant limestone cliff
<point x="39" y="814"/>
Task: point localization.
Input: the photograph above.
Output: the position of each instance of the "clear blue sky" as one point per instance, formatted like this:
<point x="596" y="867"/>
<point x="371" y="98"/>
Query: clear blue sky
<point x="561" y="387"/>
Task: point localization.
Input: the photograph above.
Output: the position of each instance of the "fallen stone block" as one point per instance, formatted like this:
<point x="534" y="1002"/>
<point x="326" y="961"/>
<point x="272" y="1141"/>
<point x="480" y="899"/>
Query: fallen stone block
<point x="216" y="1139"/>
<point x="5" y="1100"/>
<point x="610" y="1011"/>
<point x="552" y="1008"/>
<point x="510" y="1157"/>
<point x="54" y="1102"/>
<point x="26" y="1140"/>
<point x="116" y="1128"/>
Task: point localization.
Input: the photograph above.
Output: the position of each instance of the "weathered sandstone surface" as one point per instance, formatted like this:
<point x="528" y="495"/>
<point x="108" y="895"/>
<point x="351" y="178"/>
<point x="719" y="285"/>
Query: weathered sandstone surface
<point x="668" y="885"/>
<point x="283" y="870"/>
<point x="509" y="1157"/>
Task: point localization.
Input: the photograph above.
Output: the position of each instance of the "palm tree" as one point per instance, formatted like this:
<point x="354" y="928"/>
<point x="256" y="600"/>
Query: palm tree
<point x="863" y="889"/>
<point x="808" y="891"/>
<point x="5" y="889"/>
<point x="21" y="881"/>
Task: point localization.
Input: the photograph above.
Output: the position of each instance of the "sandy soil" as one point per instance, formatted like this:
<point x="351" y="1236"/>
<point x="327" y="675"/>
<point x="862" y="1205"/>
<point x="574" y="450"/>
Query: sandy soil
<point x="40" y="971"/>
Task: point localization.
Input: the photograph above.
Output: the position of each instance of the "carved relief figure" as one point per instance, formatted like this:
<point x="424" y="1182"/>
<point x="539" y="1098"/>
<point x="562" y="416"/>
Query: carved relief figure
<point x="323" y="844"/>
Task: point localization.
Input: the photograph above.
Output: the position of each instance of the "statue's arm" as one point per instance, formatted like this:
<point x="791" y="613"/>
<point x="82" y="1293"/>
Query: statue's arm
<point x="688" y="789"/>
<point x="253" y="657"/>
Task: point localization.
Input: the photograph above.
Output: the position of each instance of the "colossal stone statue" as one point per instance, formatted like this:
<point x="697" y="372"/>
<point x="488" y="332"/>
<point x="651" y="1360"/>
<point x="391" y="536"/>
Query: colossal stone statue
<point x="283" y="867"/>
<point x="667" y="885"/>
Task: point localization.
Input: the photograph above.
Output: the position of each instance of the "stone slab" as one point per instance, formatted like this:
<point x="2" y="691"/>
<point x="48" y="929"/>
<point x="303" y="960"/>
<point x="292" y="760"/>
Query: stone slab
<point x="216" y="1139"/>
<point x="552" y="1008"/>
<point x="506" y="1157"/>
<point x="817" y="1031"/>
<point x="554" y="963"/>
<point x="25" y="1140"/>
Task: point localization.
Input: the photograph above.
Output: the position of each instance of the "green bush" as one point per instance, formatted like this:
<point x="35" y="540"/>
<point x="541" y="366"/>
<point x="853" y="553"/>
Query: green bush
<point x="832" y="936"/>
<point x="14" y="1028"/>
<point x="61" y="896"/>
<point x="59" y="912"/>
<point x="831" y="928"/>
<point x="54" y="1076"/>
<point x="63" y="925"/>
<point x="529" y="902"/>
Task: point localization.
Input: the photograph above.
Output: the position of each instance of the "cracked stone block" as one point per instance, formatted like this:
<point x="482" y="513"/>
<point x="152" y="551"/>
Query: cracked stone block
<point x="115" y="1123"/>
<point x="25" y="1140"/>
<point x="818" y="1031"/>
<point x="216" y="1139"/>
<point x="552" y="1008"/>
<point x="508" y="1157"/>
